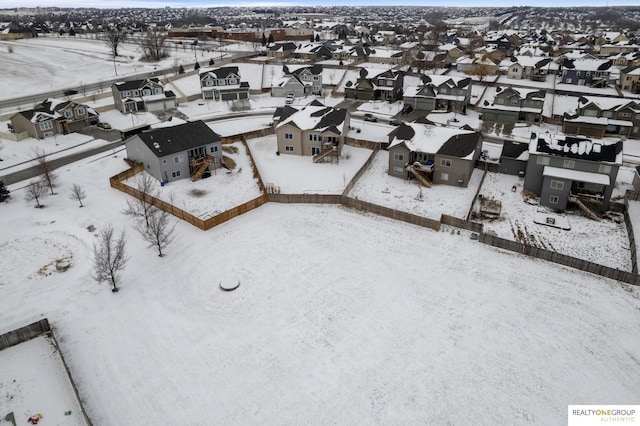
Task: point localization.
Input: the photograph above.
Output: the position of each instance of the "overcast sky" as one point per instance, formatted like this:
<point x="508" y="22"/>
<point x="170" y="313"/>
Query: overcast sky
<point x="209" y="3"/>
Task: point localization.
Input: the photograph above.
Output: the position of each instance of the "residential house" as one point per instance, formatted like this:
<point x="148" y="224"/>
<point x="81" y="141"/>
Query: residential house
<point x="630" y="79"/>
<point x="314" y="129"/>
<point x="298" y="80"/>
<point x="428" y="59"/>
<point x="281" y="50"/>
<point x="142" y="95"/>
<point x="170" y="153"/>
<point x="598" y="117"/>
<point x="471" y="64"/>
<point x="381" y="55"/>
<point x="573" y="170"/>
<point x="53" y="117"/>
<point x="313" y="52"/>
<point x="534" y="68"/>
<point x="513" y="104"/>
<point x="223" y="84"/>
<point x="385" y="86"/>
<point x="433" y="154"/>
<point x="619" y="47"/>
<point x="440" y="93"/>
<point x="451" y="50"/>
<point x="514" y="158"/>
<point x="586" y="72"/>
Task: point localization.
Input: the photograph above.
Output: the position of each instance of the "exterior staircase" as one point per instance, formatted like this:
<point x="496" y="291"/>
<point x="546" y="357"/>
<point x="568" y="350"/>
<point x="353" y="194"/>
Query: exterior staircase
<point x="201" y="164"/>
<point x="324" y="152"/>
<point x="419" y="175"/>
<point x="585" y="208"/>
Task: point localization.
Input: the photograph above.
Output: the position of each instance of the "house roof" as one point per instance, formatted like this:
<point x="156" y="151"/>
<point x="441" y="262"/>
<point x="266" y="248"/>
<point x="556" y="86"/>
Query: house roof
<point x="512" y="149"/>
<point x="606" y="104"/>
<point x="609" y="150"/>
<point x="136" y="84"/>
<point x="50" y="108"/>
<point x="314" y="116"/>
<point x="577" y="175"/>
<point x="222" y="72"/>
<point x="588" y="64"/>
<point x="171" y="140"/>
<point x="419" y="137"/>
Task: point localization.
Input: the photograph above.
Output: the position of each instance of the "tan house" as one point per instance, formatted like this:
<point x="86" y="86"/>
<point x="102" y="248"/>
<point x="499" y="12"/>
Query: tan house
<point x="53" y="117"/>
<point x="630" y="79"/>
<point x="315" y="130"/>
<point x="598" y="117"/>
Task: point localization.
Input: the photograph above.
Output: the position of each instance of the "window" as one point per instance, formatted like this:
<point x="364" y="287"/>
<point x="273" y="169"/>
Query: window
<point x="146" y="92"/>
<point x="126" y="94"/>
<point x="176" y="173"/>
<point x="288" y="135"/>
<point x="624" y="114"/>
<point x="635" y="129"/>
<point x="445" y="162"/>
<point x="80" y="111"/>
<point x="48" y="134"/>
<point x="444" y="176"/>
<point x="214" y="149"/>
<point x="158" y="90"/>
<point x="288" y="148"/>
<point x="398" y="156"/>
<point x="222" y="82"/>
<point x="46" y="125"/>
<point x="398" y="170"/>
<point x="514" y="101"/>
<point x="568" y="81"/>
<point x="209" y="83"/>
<point x="68" y="114"/>
<point x="233" y="81"/>
<point x="569" y="164"/>
<point x="590" y="113"/>
<point x="554" y="199"/>
<point x="316" y="78"/>
<point x="604" y="168"/>
<point x="164" y="162"/>
<point x="542" y="161"/>
<point x="314" y="137"/>
<point x="500" y="101"/>
<point x="607" y="114"/>
<point x="136" y="93"/>
<point x="315" y="150"/>
<point x="178" y="159"/>
<point x="557" y="184"/>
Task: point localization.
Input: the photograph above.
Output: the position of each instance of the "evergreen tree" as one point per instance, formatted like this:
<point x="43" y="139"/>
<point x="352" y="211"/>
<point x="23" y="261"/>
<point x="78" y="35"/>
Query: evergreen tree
<point x="271" y="39"/>
<point x="211" y="62"/>
<point x="196" y="66"/>
<point x="181" y="70"/>
<point x="4" y="192"/>
<point x="317" y="37"/>
<point x="264" y="39"/>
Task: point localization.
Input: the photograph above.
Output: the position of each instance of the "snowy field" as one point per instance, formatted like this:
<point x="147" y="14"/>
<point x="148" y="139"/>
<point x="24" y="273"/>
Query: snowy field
<point x="350" y="327"/>
<point x="297" y="174"/>
<point x="33" y="381"/>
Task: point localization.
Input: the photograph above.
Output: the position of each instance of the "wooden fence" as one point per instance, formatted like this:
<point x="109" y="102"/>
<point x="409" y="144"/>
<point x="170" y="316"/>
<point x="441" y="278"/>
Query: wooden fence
<point x="249" y="135"/>
<point x="390" y="213"/>
<point x="305" y="198"/>
<point x="630" y="231"/>
<point x="24" y="334"/>
<point x="461" y="223"/>
<point x="551" y="256"/>
<point x="360" y="172"/>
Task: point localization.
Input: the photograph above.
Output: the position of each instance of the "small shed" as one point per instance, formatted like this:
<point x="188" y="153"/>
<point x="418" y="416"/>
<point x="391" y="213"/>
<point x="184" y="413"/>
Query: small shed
<point x="514" y="157"/>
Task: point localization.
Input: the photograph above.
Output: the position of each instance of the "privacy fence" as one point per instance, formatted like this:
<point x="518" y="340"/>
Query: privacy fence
<point x="360" y="205"/>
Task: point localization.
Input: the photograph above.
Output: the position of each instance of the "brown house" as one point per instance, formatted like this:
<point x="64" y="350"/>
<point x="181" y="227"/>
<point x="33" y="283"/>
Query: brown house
<point x="53" y="117"/>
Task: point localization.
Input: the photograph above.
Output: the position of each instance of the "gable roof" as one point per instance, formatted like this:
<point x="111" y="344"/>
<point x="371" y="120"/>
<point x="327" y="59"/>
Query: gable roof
<point x="512" y="149"/>
<point x="222" y="72"/>
<point x="136" y="84"/>
<point x="576" y="148"/>
<point x="419" y="137"/>
<point x="180" y="138"/>
<point x="314" y="116"/>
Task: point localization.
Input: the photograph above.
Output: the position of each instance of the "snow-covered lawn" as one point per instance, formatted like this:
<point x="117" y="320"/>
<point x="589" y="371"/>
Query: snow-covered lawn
<point x="222" y="191"/>
<point x="377" y="187"/>
<point x="33" y="381"/>
<point x="604" y="242"/>
<point x="338" y="319"/>
<point x="298" y="174"/>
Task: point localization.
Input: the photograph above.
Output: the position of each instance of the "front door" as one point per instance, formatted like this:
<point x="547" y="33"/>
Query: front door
<point x="315" y="150"/>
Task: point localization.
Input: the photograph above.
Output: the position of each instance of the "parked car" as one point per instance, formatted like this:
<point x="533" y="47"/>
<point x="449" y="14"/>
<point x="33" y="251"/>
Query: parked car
<point x="407" y="109"/>
<point x="103" y="125"/>
<point x="289" y="99"/>
<point x="370" y="117"/>
<point x="395" y="122"/>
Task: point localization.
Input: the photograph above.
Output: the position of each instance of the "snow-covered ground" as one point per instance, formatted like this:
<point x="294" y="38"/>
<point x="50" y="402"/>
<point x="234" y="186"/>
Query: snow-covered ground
<point x="340" y="317"/>
<point x="33" y="381"/>
<point x="298" y="174"/>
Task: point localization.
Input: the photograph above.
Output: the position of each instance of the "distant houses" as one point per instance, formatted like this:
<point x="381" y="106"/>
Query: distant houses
<point x="53" y="117"/>
<point x="223" y="84"/>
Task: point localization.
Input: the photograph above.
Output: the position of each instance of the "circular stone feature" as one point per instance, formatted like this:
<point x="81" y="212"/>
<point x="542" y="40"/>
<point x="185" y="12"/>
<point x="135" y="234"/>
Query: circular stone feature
<point x="229" y="284"/>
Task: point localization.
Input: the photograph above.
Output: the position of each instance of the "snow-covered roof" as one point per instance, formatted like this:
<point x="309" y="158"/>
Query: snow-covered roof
<point x="315" y="116"/>
<point x="607" y="104"/>
<point x="582" y="148"/>
<point x="419" y="137"/>
<point x="576" y="175"/>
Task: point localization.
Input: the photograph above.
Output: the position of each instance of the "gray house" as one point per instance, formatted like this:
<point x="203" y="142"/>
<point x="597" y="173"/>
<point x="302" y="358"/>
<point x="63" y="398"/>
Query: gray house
<point x="223" y="84"/>
<point x="298" y="81"/>
<point x="441" y="93"/>
<point x="142" y="95"/>
<point x="511" y="105"/>
<point x="386" y="86"/>
<point x="586" y="72"/>
<point x="572" y="170"/>
<point x="514" y="157"/>
<point x="431" y="154"/>
<point x="171" y="153"/>
<point x="598" y="117"/>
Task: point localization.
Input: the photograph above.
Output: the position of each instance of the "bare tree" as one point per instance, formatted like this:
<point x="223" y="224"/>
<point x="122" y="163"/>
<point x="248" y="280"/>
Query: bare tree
<point x="77" y="193"/>
<point x="481" y="71"/>
<point x="140" y="206"/>
<point x="115" y="37"/>
<point x="109" y="257"/>
<point x="153" y="45"/>
<point x="158" y="232"/>
<point x="44" y="166"/>
<point x="35" y="191"/>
